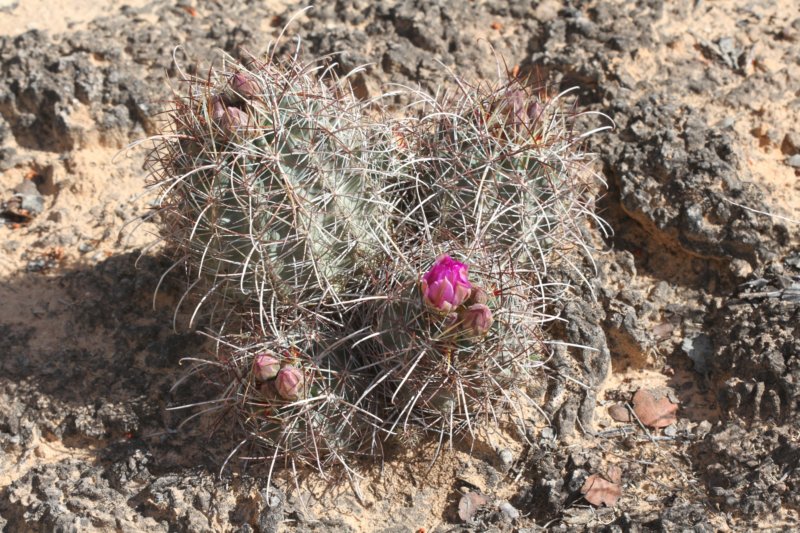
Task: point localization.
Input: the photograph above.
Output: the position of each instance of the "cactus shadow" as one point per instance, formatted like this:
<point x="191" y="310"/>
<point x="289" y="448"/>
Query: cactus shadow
<point x="92" y="362"/>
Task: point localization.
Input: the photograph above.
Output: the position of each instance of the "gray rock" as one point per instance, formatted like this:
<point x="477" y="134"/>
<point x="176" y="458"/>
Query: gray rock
<point x="506" y="458"/>
<point x="700" y="350"/>
<point x="510" y="513"/>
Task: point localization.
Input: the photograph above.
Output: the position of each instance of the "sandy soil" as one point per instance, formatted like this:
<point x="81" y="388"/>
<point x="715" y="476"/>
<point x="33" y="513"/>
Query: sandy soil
<point x="70" y="295"/>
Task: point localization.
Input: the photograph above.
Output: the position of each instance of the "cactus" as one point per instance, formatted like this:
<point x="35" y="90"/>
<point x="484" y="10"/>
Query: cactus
<point x="500" y="182"/>
<point x="497" y="168"/>
<point x="392" y="271"/>
<point x="450" y="372"/>
<point x="304" y="413"/>
<point x="269" y="189"/>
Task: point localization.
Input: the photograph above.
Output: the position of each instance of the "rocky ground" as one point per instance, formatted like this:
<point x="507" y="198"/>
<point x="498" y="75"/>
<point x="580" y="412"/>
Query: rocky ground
<point x="695" y="290"/>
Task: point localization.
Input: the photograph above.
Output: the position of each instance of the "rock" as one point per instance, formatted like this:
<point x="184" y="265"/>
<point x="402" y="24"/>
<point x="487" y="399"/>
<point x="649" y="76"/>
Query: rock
<point x="793" y="161"/>
<point x="506" y="458"/>
<point x="700" y="350"/>
<point x="791" y="144"/>
<point x="8" y="5"/>
<point x="509" y="512"/>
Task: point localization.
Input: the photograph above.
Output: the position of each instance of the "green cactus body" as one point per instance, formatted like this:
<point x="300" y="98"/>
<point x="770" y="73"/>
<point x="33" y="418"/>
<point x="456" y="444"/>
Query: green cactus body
<point x="489" y="178"/>
<point x="321" y="426"/>
<point x="294" y="211"/>
<point x="280" y="210"/>
<point x="435" y="375"/>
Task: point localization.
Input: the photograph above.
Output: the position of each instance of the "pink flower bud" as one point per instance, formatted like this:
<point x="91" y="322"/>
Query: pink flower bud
<point x="445" y="286"/>
<point x="478" y="296"/>
<point x="522" y="111"/>
<point x="290" y="383"/>
<point x="243" y="85"/>
<point x="228" y="118"/>
<point x="265" y="367"/>
<point x="476" y="320"/>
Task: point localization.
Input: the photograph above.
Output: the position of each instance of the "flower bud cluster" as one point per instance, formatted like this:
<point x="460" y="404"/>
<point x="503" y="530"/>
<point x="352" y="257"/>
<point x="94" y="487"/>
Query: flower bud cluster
<point x="287" y="381"/>
<point x="228" y="110"/>
<point x="447" y="291"/>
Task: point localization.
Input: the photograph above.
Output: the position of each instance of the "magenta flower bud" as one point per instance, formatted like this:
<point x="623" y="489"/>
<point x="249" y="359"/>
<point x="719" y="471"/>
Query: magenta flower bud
<point x="290" y="383"/>
<point x="445" y="286"/>
<point x="265" y="367"/>
<point x="476" y="320"/>
<point x="243" y="85"/>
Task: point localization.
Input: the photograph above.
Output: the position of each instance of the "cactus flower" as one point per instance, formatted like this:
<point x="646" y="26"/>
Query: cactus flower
<point x="476" y="320"/>
<point x="445" y="286"/>
<point x="521" y="111"/>
<point x="290" y="383"/>
<point x="265" y="367"/>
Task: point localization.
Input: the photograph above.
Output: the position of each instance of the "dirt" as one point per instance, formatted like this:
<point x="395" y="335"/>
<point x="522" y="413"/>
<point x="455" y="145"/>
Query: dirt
<point x="695" y="290"/>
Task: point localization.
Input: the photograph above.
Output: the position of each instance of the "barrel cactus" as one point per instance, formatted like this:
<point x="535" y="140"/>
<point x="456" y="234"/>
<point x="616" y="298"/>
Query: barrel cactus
<point x="384" y="273"/>
<point x="269" y="187"/>
<point x="498" y="189"/>
<point x="300" y="403"/>
<point x="498" y="168"/>
<point x="454" y="343"/>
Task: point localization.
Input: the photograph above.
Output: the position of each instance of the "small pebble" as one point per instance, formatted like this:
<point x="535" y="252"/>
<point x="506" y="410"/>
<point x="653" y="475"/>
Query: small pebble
<point x="793" y="161"/>
<point x="36" y="265"/>
<point x="791" y="143"/>
<point x="703" y="428"/>
<point x="548" y="433"/>
<point x="509" y="511"/>
<point x="85" y="247"/>
<point x="33" y="203"/>
<point x="507" y="458"/>
<point x="11" y="246"/>
<point x="57" y="215"/>
<point x="671" y="430"/>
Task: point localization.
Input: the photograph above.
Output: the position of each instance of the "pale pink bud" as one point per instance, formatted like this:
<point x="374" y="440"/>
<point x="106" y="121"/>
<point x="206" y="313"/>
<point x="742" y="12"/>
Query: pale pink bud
<point x="521" y="110"/>
<point x="476" y="320"/>
<point x="478" y="296"/>
<point x="228" y="118"/>
<point x="243" y="85"/>
<point x="445" y="286"/>
<point x="265" y="367"/>
<point x="290" y="383"/>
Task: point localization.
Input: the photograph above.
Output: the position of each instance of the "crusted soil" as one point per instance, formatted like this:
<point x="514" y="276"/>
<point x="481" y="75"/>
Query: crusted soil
<point x="695" y="290"/>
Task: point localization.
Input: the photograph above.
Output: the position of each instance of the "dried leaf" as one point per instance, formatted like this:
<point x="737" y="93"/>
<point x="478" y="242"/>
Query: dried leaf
<point x="652" y="411"/>
<point x="619" y="413"/>
<point x="469" y="504"/>
<point x="599" y="491"/>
